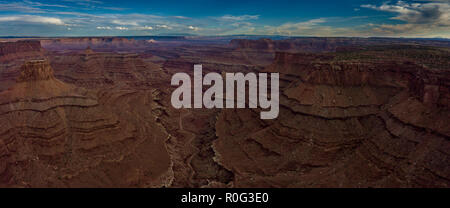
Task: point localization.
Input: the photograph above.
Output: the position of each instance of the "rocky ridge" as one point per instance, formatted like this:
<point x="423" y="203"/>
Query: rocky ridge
<point x="58" y="135"/>
<point x="343" y="124"/>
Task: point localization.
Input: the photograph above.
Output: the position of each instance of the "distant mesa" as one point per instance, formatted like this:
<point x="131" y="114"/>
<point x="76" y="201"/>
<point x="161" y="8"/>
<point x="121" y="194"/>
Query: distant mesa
<point x="20" y="49"/>
<point x="324" y="44"/>
<point x="103" y="43"/>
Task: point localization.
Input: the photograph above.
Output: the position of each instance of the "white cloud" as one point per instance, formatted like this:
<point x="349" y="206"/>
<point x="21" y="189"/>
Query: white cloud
<point x="104" y="28"/>
<point x="416" y="12"/>
<point x="425" y="19"/>
<point x="180" y="17"/>
<point x="144" y="28"/>
<point x="32" y="19"/>
<point x="409" y="19"/>
<point x="121" y="28"/>
<point x="164" y="27"/>
<point x="125" y="22"/>
<point x="190" y="27"/>
<point x="239" y="18"/>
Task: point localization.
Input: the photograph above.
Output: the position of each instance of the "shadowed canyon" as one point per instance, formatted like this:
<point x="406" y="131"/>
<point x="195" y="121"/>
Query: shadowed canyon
<point x="96" y="112"/>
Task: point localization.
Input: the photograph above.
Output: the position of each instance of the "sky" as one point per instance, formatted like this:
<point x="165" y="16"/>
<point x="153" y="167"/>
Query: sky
<point x="323" y="18"/>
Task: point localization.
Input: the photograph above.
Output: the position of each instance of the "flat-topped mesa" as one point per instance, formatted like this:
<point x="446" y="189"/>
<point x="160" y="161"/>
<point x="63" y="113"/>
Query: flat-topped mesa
<point x="21" y="50"/>
<point x="18" y="47"/>
<point x="35" y="70"/>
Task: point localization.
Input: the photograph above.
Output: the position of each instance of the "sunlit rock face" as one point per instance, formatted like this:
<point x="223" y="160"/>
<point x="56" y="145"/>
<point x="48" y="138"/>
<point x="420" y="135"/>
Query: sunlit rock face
<point x="36" y="70"/>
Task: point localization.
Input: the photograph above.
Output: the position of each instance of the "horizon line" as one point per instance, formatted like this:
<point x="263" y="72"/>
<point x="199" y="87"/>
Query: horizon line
<point x="181" y="35"/>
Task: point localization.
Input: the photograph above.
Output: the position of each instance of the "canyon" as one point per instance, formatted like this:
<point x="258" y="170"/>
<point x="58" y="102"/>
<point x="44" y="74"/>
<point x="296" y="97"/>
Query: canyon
<point x="97" y="112"/>
<point x="214" y="96"/>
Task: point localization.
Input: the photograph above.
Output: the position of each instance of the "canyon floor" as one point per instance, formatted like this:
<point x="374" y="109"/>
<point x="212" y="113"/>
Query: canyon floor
<point x="96" y="112"/>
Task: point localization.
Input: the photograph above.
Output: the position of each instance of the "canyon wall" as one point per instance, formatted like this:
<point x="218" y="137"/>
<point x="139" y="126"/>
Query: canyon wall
<point x="343" y="123"/>
<point x="55" y="134"/>
<point x="362" y="116"/>
<point x="19" y="49"/>
<point x="316" y="44"/>
<point x="98" y="43"/>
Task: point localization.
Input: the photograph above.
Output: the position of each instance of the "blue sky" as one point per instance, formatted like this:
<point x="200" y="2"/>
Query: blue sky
<point x="363" y="18"/>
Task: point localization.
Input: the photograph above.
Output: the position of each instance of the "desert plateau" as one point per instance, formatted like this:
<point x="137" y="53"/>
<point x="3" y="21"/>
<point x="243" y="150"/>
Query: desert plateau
<point x="96" y="112"/>
<point x="226" y="103"/>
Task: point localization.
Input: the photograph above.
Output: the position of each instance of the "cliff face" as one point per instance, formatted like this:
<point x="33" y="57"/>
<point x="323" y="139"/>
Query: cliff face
<point x="294" y="45"/>
<point x="343" y="123"/>
<point x="92" y="69"/>
<point x="23" y="48"/>
<point x="99" y="43"/>
<point x="57" y="135"/>
<point x="315" y="44"/>
<point x="364" y="116"/>
<point x="35" y="71"/>
<point x="12" y="55"/>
